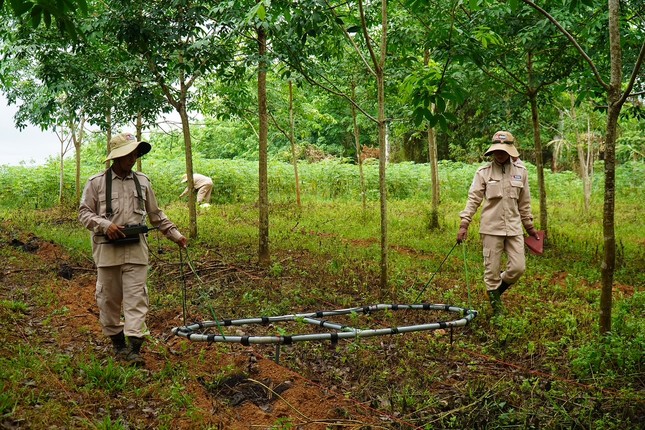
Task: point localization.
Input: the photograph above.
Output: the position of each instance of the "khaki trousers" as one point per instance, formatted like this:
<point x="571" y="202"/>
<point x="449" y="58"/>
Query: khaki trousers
<point x="204" y="193"/>
<point x="494" y="246"/>
<point x="123" y="288"/>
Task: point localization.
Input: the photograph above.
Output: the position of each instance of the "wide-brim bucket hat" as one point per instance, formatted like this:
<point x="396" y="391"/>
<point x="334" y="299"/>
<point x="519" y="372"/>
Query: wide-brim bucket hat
<point x="503" y="141"/>
<point x="124" y="143"/>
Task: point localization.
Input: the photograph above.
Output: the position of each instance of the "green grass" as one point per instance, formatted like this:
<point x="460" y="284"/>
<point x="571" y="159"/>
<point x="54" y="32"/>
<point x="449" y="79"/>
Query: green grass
<point x="106" y="375"/>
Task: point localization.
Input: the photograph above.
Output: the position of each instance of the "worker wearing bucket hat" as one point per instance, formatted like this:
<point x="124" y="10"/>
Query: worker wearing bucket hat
<point x="504" y="141"/>
<point x="502" y="185"/>
<point x="114" y="202"/>
<point x="202" y="184"/>
<point x="126" y="143"/>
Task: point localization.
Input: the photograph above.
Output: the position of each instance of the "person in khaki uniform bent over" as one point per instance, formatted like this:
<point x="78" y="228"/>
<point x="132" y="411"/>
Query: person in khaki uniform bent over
<point x="503" y="186"/>
<point x="203" y="185"/>
<point x="113" y="199"/>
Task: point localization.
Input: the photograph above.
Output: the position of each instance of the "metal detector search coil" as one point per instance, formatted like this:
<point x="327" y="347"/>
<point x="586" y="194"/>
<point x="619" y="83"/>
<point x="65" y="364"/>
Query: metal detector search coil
<point x="190" y="332"/>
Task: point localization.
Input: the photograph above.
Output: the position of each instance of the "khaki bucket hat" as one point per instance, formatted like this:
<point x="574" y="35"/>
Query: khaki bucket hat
<point x="503" y="141"/>
<point x="124" y="143"/>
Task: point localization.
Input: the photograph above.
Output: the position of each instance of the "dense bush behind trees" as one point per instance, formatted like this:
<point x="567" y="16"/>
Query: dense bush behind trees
<point x="235" y="181"/>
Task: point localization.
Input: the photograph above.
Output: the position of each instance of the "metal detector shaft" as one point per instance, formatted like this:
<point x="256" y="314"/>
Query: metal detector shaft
<point x="436" y="271"/>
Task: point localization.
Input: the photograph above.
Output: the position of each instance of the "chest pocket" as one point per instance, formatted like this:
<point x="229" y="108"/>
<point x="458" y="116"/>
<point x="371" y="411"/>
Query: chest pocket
<point x="139" y="201"/>
<point x="516" y="189"/>
<point x="103" y="206"/>
<point x="494" y="190"/>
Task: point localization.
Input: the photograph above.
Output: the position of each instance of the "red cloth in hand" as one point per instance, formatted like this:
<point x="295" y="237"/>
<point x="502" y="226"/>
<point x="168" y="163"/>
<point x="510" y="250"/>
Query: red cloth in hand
<point x="535" y="246"/>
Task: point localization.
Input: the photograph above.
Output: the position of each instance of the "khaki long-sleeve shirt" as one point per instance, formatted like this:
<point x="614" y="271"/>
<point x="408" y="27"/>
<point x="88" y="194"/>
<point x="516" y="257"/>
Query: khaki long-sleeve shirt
<point x="126" y="210"/>
<point x="506" y="196"/>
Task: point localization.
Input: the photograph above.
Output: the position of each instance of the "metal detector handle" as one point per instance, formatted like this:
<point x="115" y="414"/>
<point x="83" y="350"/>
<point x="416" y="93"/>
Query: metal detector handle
<point x="136" y="229"/>
<point x="132" y="232"/>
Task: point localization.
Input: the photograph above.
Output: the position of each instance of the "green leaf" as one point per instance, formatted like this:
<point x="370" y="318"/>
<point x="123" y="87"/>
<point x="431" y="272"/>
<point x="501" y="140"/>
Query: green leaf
<point x="47" y="17"/>
<point x="427" y="113"/>
<point x="440" y="104"/>
<point x="253" y="12"/>
<point x="82" y="5"/>
<point x="417" y="115"/>
<point x="36" y="15"/>
<point x="432" y="121"/>
<point x="451" y="117"/>
<point x="442" y="122"/>
<point x="20" y="7"/>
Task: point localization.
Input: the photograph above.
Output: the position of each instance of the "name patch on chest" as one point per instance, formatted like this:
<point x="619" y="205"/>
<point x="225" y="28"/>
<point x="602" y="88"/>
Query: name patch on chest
<point x="517" y="177"/>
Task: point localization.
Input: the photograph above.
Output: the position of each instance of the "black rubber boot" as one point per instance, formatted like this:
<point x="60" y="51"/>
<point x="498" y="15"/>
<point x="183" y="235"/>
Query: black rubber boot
<point x="134" y="354"/>
<point x="503" y="287"/>
<point x="119" y="346"/>
<point x="495" y="301"/>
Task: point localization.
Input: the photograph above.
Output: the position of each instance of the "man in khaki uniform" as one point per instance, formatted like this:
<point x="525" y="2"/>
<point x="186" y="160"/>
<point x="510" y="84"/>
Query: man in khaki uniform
<point x="203" y="185"/>
<point x="113" y="199"/>
<point x="503" y="186"/>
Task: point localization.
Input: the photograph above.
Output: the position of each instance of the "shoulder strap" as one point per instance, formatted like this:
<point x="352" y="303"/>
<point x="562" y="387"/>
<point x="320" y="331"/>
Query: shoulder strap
<point x="138" y="187"/>
<point x="108" y="192"/>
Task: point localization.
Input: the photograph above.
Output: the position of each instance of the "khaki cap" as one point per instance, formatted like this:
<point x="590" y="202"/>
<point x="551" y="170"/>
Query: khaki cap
<point x="124" y="143"/>
<point x="503" y="141"/>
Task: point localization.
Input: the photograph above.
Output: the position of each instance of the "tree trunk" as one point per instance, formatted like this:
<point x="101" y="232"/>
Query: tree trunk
<point x="579" y="148"/>
<point x="263" y="252"/>
<point x="294" y="157"/>
<point x="583" y="158"/>
<point x="77" y="179"/>
<point x="609" y="235"/>
<point x="434" y="177"/>
<point x="188" y="147"/>
<point x="379" y="73"/>
<point x="614" y="107"/>
<point x="537" y="141"/>
<point x="77" y="140"/>
<point x="588" y="167"/>
<point x="61" y="173"/>
<point x="380" y="83"/>
<point x="433" y="159"/>
<point x="357" y="143"/>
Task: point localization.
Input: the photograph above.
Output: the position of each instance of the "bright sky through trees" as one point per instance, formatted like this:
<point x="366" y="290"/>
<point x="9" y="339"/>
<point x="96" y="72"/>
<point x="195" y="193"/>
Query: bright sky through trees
<point x="26" y="145"/>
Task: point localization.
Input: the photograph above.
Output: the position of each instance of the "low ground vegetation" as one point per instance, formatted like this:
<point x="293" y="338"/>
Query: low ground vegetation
<point x="539" y="365"/>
